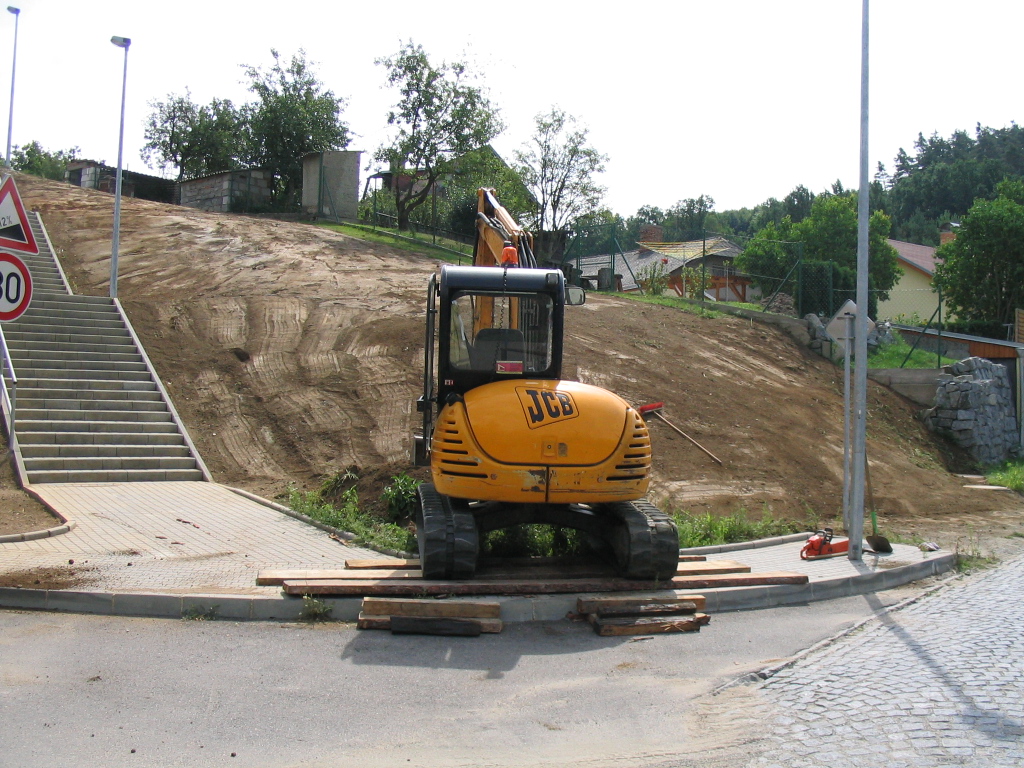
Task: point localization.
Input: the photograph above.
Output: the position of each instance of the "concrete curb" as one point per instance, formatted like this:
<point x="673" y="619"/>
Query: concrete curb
<point x="9" y="538"/>
<point x="46" y="533"/>
<point x="513" y="608"/>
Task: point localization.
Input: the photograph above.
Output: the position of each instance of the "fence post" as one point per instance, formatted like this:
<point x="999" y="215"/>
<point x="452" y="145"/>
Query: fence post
<point x="1020" y="397"/>
<point x="800" y="289"/>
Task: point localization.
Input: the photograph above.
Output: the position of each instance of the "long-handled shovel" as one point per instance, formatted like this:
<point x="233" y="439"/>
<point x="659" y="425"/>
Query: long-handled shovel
<point x="876" y="542"/>
<point x="655" y="409"/>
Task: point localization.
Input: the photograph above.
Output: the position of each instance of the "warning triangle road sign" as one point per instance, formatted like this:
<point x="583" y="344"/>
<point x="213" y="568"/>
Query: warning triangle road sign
<point x="15" y="232"/>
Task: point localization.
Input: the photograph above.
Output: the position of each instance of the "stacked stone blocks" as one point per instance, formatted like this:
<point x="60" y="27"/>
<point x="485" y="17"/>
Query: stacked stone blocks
<point x="974" y="406"/>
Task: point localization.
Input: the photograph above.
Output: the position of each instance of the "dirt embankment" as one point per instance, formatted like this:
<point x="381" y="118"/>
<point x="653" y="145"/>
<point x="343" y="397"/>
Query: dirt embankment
<point x="292" y="352"/>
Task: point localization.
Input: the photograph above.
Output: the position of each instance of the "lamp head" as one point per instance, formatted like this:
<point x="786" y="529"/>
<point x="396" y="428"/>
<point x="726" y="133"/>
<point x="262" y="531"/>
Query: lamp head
<point x="121" y="42"/>
<point x="13" y="10"/>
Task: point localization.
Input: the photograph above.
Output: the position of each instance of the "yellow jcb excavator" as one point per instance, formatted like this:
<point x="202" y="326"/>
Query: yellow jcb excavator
<point x="507" y="440"/>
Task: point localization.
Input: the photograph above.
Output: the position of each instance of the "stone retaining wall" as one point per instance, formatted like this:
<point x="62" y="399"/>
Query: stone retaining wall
<point x="974" y="406"/>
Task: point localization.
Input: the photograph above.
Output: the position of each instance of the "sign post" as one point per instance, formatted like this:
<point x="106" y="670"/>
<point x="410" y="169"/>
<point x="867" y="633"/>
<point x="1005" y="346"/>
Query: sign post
<point x="15" y="287"/>
<point x="15" y="232"/>
<point x="15" y="235"/>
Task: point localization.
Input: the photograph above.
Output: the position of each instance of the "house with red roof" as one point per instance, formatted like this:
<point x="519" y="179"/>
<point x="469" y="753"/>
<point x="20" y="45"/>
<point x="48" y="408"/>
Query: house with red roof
<point x="912" y="295"/>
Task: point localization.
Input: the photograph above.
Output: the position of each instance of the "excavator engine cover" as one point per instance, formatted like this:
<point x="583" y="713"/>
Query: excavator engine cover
<point x="541" y="442"/>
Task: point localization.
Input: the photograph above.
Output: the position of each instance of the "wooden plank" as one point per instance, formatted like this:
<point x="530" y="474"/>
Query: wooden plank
<point x="373" y="621"/>
<point x="424" y="625"/>
<point x="711" y="567"/>
<point x="423" y="588"/>
<point x="692" y="558"/>
<point x="647" y="625"/>
<point x="647" y="609"/>
<point x="602" y="603"/>
<point x="389" y="563"/>
<point x="739" y="580"/>
<point x="273" y="578"/>
<point x="452" y="609"/>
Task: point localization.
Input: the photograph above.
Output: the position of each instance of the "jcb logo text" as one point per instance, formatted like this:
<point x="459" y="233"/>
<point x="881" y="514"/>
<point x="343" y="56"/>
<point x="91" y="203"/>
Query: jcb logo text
<point x="544" y="406"/>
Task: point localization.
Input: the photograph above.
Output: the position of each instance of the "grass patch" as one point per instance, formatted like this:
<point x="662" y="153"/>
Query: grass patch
<point x="1010" y="474"/>
<point x="346" y="516"/>
<point x="969" y="557"/>
<point x="705" y="530"/>
<point x="314" y="609"/>
<point x="451" y="251"/>
<point x="686" y="305"/>
<point x="201" y="614"/>
<point x="893" y="355"/>
<point x="743" y="305"/>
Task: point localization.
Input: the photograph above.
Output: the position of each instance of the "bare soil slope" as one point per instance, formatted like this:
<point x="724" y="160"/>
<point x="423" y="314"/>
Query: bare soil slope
<point x="291" y="352"/>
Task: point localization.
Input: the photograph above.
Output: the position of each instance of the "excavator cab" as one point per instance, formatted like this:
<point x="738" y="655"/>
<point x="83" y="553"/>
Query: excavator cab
<point x="507" y="440"/>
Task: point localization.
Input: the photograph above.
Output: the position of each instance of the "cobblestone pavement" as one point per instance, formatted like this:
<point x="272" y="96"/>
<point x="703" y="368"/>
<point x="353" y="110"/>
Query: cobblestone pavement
<point x="173" y="537"/>
<point x="938" y="683"/>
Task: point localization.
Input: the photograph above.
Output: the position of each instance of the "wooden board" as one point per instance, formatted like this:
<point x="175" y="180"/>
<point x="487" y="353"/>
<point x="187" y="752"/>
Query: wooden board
<point x="277" y="577"/>
<point x="710" y="567"/>
<point x="601" y="603"/>
<point x="453" y="609"/>
<point x="423" y="625"/>
<point x="681" y="608"/>
<point x="373" y="621"/>
<point x="648" y="625"/>
<point x="423" y="588"/>
<point x="383" y="563"/>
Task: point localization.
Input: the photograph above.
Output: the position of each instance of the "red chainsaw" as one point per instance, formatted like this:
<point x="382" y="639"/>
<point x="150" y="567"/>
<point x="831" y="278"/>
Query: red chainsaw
<point x="822" y="545"/>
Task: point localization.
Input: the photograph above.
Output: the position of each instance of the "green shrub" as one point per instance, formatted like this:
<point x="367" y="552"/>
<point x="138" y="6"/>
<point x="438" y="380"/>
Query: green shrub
<point x="400" y="497"/>
<point x="335" y="485"/>
<point x="533" y="541"/>
<point x="348" y="517"/>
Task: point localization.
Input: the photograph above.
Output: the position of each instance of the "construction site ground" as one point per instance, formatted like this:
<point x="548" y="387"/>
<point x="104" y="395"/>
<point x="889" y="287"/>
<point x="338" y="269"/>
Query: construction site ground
<point x="293" y="352"/>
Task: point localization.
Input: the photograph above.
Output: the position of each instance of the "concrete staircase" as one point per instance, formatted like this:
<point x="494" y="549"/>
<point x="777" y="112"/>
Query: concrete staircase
<point x="89" y="406"/>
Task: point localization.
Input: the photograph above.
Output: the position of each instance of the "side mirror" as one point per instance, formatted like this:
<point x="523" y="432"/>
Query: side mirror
<point x="575" y="296"/>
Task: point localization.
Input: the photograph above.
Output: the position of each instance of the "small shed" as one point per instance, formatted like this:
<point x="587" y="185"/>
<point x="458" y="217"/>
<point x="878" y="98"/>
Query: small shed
<point x="90" y="174"/>
<point x="330" y="184"/>
<point x="229" y="191"/>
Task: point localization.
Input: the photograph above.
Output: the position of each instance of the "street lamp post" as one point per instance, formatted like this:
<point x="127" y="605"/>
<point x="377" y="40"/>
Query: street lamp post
<point x="14" y="61"/>
<point x="120" y="42"/>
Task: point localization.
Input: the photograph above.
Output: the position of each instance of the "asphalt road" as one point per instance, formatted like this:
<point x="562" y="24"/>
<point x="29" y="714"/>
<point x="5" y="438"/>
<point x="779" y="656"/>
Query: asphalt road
<point x="90" y="690"/>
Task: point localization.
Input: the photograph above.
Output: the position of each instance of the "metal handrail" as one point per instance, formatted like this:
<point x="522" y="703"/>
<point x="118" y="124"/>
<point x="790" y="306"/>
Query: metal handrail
<point x="10" y="399"/>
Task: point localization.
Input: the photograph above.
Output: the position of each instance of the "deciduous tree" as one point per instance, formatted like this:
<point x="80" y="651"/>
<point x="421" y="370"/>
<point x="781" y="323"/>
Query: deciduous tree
<point x="196" y="140"/>
<point x="559" y="167"/>
<point x="32" y="158"/>
<point x="292" y="116"/>
<point x="827" y="235"/>
<point x="981" y="272"/>
<point x="439" y="117"/>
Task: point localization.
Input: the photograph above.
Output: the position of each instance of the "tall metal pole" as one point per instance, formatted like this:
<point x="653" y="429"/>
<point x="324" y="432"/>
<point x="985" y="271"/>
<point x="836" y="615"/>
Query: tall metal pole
<point x="120" y="42"/>
<point x="848" y="334"/>
<point x="14" y="62"/>
<point x="860" y="353"/>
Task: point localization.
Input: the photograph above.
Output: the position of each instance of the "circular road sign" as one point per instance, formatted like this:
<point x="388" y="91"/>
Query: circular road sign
<point x="15" y="287"/>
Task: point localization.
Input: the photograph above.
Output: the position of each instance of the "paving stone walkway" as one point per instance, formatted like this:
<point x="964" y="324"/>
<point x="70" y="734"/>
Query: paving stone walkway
<point x="174" y="538"/>
<point x="938" y="683"/>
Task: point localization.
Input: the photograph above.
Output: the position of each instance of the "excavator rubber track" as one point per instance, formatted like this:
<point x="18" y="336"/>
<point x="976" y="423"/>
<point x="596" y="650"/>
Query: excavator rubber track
<point x="447" y="536"/>
<point x="644" y="541"/>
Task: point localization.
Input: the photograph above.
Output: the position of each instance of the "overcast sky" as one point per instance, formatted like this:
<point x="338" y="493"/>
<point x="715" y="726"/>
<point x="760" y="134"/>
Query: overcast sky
<point x="738" y="99"/>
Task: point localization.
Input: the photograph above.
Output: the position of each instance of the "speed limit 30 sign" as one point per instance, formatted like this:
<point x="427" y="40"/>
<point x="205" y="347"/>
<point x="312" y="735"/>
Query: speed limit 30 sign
<point x="15" y="287"/>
